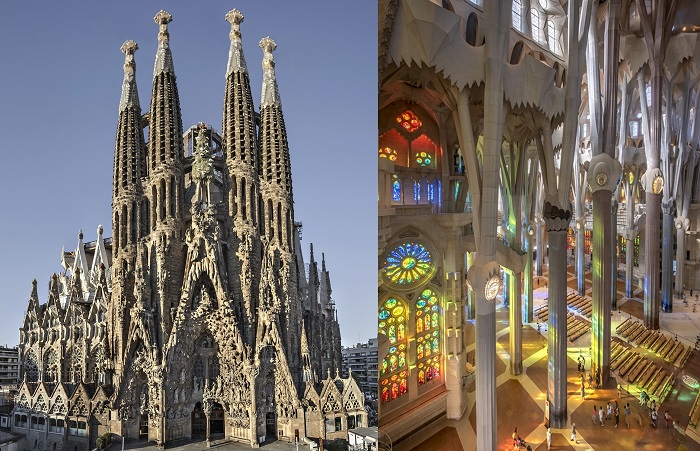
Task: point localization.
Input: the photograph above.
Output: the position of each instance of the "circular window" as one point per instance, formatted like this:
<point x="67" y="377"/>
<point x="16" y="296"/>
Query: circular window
<point x="408" y="264"/>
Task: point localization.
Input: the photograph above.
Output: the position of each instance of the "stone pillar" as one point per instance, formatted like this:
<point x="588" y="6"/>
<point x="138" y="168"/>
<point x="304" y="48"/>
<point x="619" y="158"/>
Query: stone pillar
<point x="557" y="222"/>
<point x="516" y="324"/>
<point x="613" y="250"/>
<point x="680" y="224"/>
<point x="506" y="289"/>
<point x="580" y="256"/>
<point x="668" y="209"/>
<point x="629" y="276"/>
<point x="528" y="298"/>
<point x="539" y="244"/>
<point x="469" y="259"/>
<point x="651" y="243"/>
<point x="483" y="278"/>
<point x="603" y="174"/>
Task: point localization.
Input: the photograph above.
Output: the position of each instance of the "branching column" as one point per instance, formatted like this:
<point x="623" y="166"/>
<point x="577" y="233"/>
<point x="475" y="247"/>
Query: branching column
<point x="527" y="314"/>
<point x="516" y="323"/>
<point x="669" y="211"/>
<point x="557" y="222"/>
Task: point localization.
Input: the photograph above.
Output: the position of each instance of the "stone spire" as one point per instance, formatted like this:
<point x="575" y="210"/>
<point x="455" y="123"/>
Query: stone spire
<point x="165" y="191"/>
<point x="307" y="375"/>
<point x="236" y="61"/>
<point x="164" y="59"/>
<point x="276" y="182"/>
<point x="270" y="93"/>
<point x="129" y="156"/>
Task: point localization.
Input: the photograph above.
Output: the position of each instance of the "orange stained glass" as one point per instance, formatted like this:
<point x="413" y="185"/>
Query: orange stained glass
<point x="388" y="152"/>
<point x="409" y="121"/>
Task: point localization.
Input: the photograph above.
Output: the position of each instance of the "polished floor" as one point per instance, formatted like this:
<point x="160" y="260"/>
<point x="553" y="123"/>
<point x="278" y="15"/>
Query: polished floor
<point x="521" y="398"/>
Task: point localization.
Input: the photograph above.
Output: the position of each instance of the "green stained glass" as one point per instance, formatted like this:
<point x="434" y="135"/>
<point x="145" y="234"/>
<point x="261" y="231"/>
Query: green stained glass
<point x="390" y="303"/>
<point x="408" y="263"/>
<point x="420" y="303"/>
<point x="383" y="314"/>
<point x="397" y="311"/>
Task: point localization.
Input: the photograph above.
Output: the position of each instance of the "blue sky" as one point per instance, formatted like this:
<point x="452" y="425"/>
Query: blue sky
<point x="60" y="82"/>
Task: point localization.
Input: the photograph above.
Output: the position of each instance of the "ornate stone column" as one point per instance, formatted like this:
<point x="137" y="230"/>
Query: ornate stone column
<point x="669" y="210"/>
<point x="581" y="255"/>
<point x="206" y="407"/>
<point x="484" y="278"/>
<point x="613" y="250"/>
<point x="557" y="223"/>
<point x="602" y="175"/>
<point x="653" y="183"/>
<point x="469" y="259"/>
<point x="528" y="299"/>
<point x="516" y="324"/>
<point x="682" y="224"/>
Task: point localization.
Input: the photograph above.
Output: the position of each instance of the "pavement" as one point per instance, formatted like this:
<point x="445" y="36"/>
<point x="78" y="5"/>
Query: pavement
<point x="200" y="445"/>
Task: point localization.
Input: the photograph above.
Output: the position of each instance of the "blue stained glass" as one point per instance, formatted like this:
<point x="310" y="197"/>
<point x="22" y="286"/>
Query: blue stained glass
<point x="392" y="349"/>
<point x="431" y="192"/>
<point x="396" y="191"/>
<point x="416" y="191"/>
<point x="383" y="314"/>
<point x="420" y="304"/>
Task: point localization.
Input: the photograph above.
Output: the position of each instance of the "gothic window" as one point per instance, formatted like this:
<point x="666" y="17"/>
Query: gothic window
<point x="59" y="406"/>
<point x="79" y="408"/>
<point x="517" y="14"/>
<point x="537" y="21"/>
<point x="394" y="147"/>
<point x="409" y="121"/>
<point x="393" y="316"/>
<point x="31" y="367"/>
<point x="388" y="153"/>
<point x="424" y="151"/>
<point x="634" y="127"/>
<point x="408" y="264"/>
<point x="428" y="333"/>
<point x="213" y="368"/>
<point x="198" y="372"/>
<point x="23" y="402"/>
<point x="76" y="364"/>
<point x="51" y="366"/>
<point x="40" y="404"/>
<point x="554" y="43"/>
<point x="395" y="188"/>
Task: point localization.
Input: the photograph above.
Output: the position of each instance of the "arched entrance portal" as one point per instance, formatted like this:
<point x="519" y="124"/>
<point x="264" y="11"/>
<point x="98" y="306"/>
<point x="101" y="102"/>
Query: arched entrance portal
<point x="216" y="419"/>
<point x="199" y="422"/>
<point x="270" y="426"/>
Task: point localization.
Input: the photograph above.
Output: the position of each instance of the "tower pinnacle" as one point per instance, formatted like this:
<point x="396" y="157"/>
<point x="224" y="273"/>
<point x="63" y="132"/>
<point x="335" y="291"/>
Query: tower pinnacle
<point x="130" y="96"/>
<point x="270" y="93"/>
<point x="164" y="59"/>
<point x="236" y="62"/>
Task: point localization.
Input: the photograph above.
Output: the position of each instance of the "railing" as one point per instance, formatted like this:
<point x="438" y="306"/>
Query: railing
<point x="519" y="248"/>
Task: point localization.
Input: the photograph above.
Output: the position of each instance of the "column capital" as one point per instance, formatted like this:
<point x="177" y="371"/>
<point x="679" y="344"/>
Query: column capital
<point x="603" y="172"/>
<point x="556" y="219"/>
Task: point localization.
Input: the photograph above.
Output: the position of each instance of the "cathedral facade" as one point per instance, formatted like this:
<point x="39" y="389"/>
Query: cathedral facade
<point x="198" y="317"/>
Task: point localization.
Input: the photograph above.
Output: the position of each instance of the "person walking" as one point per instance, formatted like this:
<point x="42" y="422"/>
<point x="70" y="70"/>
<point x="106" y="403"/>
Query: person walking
<point x="601" y="413"/>
<point x="609" y="411"/>
<point x="617" y="416"/>
<point x="619" y="391"/>
<point x="667" y="418"/>
<point x="583" y="391"/>
<point x="549" y="439"/>
<point x="594" y="415"/>
<point x="573" y="433"/>
<point x="627" y="414"/>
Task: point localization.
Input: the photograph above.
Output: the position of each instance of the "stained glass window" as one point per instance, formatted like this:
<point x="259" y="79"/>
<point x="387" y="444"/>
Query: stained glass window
<point x="428" y="333"/>
<point x="408" y="263"/>
<point x="424" y="152"/>
<point x="424" y="158"/>
<point x="396" y="189"/>
<point x="416" y="191"/>
<point x="392" y="316"/>
<point x="409" y="121"/>
<point x="388" y="152"/>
